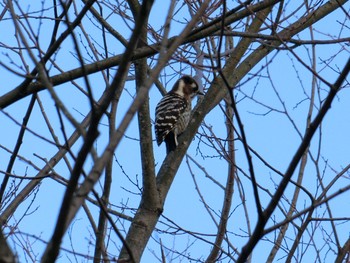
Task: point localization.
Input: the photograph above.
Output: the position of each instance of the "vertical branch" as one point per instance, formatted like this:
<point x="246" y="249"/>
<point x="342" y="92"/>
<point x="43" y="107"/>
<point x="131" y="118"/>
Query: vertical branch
<point x="149" y="194"/>
<point x="17" y="147"/>
<point x="104" y="200"/>
<point x="102" y="220"/>
<point x="146" y="144"/>
<point x="228" y="193"/>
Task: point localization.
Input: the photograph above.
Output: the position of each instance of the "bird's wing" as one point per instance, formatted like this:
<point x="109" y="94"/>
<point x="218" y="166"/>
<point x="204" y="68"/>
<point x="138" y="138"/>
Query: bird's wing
<point x="168" y="112"/>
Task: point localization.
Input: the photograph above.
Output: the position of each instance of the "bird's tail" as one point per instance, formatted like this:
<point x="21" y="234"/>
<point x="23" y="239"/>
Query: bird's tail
<point x="170" y="142"/>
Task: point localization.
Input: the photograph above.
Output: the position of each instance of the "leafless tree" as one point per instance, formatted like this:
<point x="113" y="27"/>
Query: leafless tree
<point x="265" y="167"/>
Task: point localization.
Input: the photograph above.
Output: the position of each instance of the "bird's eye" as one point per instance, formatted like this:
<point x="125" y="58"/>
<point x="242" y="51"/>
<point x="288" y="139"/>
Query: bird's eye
<point x="194" y="87"/>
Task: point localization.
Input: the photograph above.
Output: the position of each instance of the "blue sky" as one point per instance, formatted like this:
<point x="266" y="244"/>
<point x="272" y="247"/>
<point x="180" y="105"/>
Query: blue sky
<point x="272" y="136"/>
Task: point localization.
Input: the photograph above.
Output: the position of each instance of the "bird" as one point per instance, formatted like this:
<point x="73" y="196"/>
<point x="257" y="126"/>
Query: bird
<point x="173" y="111"/>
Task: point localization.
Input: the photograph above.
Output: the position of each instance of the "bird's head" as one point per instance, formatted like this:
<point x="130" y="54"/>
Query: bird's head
<point x="186" y="87"/>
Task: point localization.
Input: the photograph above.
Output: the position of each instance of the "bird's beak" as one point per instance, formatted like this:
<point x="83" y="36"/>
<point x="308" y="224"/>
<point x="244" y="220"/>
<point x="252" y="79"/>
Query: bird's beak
<point x="200" y="93"/>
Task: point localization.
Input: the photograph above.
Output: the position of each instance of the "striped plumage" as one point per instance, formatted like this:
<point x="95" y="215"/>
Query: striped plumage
<point x="173" y="112"/>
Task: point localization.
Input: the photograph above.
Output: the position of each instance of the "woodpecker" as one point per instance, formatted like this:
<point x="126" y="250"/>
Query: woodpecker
<point x="173" y="111"/>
